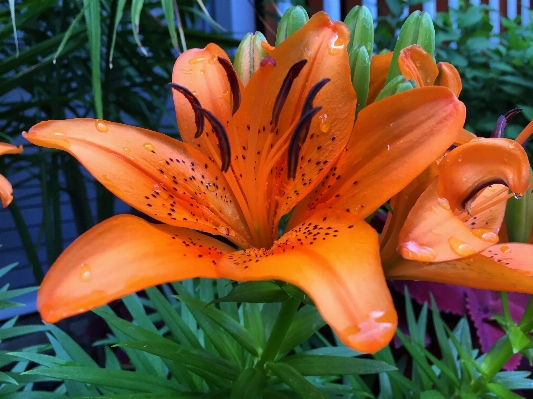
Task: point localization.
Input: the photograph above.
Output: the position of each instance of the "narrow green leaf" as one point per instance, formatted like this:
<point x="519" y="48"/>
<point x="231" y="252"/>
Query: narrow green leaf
<point x="502" y="392"/>
<point x="305" y="324"/>
<point x="255" y="292"/>
<point x="168" y="11"/>
<point x="17" y="331"/>
<point x="118" y="17"/>
<point x="296" y="381"/>
<point x="92" y="20"/>
<point x="12" y="10"/>
<point x="136" y="9"/>
<point x="188" y="356"/>
<point x="335" y="365"/>
<point x="15" y="293"/>
<point x="179" y="330"/>
<point x="249" y="385"/>
<point x="223" y="393"/>
<point x="230" y="325"/>
<point x="33" y="395"/>
<point x="6" y="269"/>
<point x="69" y="32"/>
<point x="131" y="380"/>
<point x="7" y="379"/>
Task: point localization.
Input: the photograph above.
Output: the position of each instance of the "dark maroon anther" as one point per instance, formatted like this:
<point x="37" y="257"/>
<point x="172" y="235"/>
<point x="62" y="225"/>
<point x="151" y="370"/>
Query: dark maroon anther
<point x="292" y="74"/>
<point x="467" y="202"/>
<point x="233" y="83"/>
<point x="223" y="140"/>
<point x="502" y="122"/>
<point x="297" y="139"/>
<point x="196" y="107"/>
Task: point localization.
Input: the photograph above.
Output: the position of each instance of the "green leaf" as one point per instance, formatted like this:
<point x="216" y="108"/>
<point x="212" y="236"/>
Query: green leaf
<point x="305" y="324"/>
<point x="17" y="331"/>
<point x="118" y="17"/>
<point x="220" y="394"/>
<point x="249" y="385"/>
<point x="92" y="19"/>
<point x="32" y="395"/>
<point x="136" y="8"/>
<point x="432" y="395"/>
<point x="255" y="292"/>
<point x="7" y="379"/>
<point x="317" y="365"/>
<point x="131" y="380"/>
<point x="181" y="354"/>
<point x="519" y="340"/>
<point x="69" y="32"/>
<point x="502" y="392"/>
<point x="230" y="325"/>
<point x="179" y="330"/>
<point x="297" y="382"/>
<point x="168" y="10"/>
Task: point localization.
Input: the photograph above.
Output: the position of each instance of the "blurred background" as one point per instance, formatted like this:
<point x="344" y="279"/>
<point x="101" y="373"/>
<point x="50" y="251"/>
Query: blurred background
<point x="112" y="59"/>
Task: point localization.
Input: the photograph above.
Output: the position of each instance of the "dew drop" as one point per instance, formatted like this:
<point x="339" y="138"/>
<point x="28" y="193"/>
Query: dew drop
<point x="149" y="146"/>
<point x="443" y="202"/>
<point x="225" y="96"/>
<point x="460" y="158"/>
<point x="101" y="126"/>
<point x="58" y="134"/>
<point x="223" y="230"/>
<point x="505" y="249"/>
<point x="193" y="61"/>
<point x="512" y="145"/>
<point x="325" y="123"/>
<point x="388" y="147"/>
<point x="460" y="248"/>
<point x="212" y="60"/>
<point x="85" y="273"/>
<point x="126" y="149"/>
<point x="106" y="181"/>
<point x="187" y="71"/>
<point x="414" y="251"/>
<point x="518" y="195"/>
<point x="490" y="237"/>
<point x="307" y="52"/>
<point x="336" y="45"/>
<point x="211" y="187"/>
<point x="418" y="63"/>
<point x="202" y="71"/>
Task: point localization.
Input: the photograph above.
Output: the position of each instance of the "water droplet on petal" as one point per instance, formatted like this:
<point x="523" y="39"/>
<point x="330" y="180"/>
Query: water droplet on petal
<point x="126" y="149"/>
<point x="418" y="63"/>
<point x="149" y="146"/>
<point x="106" y="181"/>
<point x="461" y="248"/>
<point x="58" y="134"/>
<point x="325" y="123"/>
<point x="490" y="237"/>
<point x="101" y="126"/>
<point x="196" y="60"/>
<point x="336" y="45"/>
<point x="223" y="230"/>
<point x="187" y="71"/>
<point x="512" y="145"/>
<point x="505" y="249"/>
<point x="518" y="195"/>
<point x="211" y="187"/>
<point x="414" y="251"/>
<point x="460" y="158"/>
<point x="443" y="202"/>
<point x="85" y="273"/>
<point x="212" y="60"/>
<point x="388" y="147"/>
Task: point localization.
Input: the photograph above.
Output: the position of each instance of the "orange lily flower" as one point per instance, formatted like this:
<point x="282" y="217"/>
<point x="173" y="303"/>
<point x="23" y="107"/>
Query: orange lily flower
<point x="6" y="190"/>
<point x="446" y="228"/>
<point x="286" y="141"/>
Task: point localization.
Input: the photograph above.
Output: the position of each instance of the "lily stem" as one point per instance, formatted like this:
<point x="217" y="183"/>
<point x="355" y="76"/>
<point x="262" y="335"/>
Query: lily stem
<point x="279" y="331"/>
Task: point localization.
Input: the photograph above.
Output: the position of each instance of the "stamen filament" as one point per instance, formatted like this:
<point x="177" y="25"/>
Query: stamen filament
<point x="523" y="136"/>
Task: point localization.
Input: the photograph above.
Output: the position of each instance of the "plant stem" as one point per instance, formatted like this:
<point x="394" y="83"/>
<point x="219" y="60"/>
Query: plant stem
<point x="528" y="314"/>
<point x="498" y="355"/>
<point x="283" y="322"/>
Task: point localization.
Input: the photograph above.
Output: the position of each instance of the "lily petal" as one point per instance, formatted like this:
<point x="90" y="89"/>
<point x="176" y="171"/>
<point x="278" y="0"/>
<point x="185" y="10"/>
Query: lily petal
<point x="417" y="64"/>
<point x="478" y="271"/>
<point x="122" y="255"/>
<point x="334" y="258"/>
<point x="201" y="72"/>
<point x="384" y="153"/>
<point x="6" y="190"/>
<point x="449" y="77"/>
<point x="432" y="233"/>
<point x="480" y="163"/>
<point x="379" y="67"/>
<point x="162" y="177"/>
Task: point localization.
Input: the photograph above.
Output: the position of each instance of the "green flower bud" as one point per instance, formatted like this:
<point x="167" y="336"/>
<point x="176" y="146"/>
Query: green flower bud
<point x="417" y="29"/>
<point x="396" y="85"/>
<point x="293" y="19"/>
<point x="519" y="217"/>
<point x="361" y="26"/>
<point x="360" y="67"/>
<point x="249" y="56"/>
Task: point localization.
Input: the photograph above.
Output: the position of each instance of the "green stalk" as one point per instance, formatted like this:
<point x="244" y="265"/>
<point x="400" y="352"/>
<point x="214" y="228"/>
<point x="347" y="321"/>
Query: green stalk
<point x="528" y="314"/>
<point x="286" y="315"/>
<point x="499" y="354"/>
